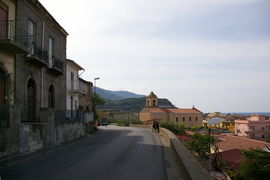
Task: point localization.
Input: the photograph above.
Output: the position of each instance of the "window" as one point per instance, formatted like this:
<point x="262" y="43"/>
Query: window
<point x="183" y="119"/>
<point x="31" y="36"/>
<point x="154" y="102"/>
<point x="3" y="23"/>
<point x="176" y="119"/>
<point x="51" y="96"/>
<point x="189" y="118"/>
<point x="76" y="104"/>
<point x="196" y="118"/>
<point x="72" y="80"/>
<point x="51" y="51"/>
<point x="148" y="103"/>
<point x="263" y="128"/>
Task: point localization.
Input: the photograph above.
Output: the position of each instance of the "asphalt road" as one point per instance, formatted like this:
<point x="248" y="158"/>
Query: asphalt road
<point x="114" y="153"/>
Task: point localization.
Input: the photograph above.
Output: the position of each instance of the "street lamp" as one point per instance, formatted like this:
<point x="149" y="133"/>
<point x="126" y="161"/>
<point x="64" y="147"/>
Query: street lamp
<point x="95" y="79"/>
<point x="94" y="96"/>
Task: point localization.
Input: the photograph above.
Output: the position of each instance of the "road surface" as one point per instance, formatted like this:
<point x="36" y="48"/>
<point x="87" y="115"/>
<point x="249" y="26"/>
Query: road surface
<point x="114" y="153"/>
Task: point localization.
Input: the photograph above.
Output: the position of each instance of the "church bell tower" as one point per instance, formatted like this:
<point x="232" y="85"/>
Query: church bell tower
<point x="152" y="100"/>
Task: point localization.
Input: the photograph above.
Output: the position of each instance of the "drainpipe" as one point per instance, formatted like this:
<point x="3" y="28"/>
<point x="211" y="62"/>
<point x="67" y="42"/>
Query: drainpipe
<point x="42" y="69"/>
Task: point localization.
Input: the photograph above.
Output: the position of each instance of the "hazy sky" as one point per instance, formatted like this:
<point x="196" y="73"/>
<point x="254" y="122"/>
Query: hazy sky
<point x="211" y="53"/>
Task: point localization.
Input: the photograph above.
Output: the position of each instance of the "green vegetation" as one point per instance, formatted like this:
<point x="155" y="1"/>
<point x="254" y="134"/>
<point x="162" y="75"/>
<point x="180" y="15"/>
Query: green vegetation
<point x="200" y="145"/>
<point x="255" y="167"/>
<point x="131" y="104"/>
<point x="178" y="129"/>
<point x="97" y="101"/>
<point x="124" y="122"/>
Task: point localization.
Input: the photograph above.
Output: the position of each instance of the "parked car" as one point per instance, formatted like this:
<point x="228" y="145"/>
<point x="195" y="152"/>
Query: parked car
<point x="104" y="122"/>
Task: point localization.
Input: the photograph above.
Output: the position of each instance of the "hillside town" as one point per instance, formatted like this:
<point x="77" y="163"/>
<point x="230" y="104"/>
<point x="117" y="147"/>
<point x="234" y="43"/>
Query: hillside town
<point x="45" y="104"/>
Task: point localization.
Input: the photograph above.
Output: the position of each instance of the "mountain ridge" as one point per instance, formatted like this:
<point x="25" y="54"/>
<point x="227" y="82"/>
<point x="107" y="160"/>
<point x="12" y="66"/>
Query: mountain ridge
<point x="116" y="95"/>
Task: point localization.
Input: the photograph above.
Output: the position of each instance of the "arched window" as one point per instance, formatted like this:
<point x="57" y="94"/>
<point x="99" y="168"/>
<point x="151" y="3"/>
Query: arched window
<point x="3" y="87"/>
<point x="154" y="102"/>
<point x="51" y="97"/>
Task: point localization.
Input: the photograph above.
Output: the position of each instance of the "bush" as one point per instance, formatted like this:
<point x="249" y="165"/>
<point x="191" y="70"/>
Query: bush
<point x="200" y="145"/>
<point x="125" y="122"/>
<point x="175" y="128"/>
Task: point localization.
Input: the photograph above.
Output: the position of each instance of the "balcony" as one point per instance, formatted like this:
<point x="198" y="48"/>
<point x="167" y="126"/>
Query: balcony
<point x="56" y="66"/>
<point x="37" y="56"/>
<point x="13" y="39"/>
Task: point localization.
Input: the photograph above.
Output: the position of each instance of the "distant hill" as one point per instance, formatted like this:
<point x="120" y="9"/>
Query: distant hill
<point x="132" y="104"/>
<point x="116" y="95"/>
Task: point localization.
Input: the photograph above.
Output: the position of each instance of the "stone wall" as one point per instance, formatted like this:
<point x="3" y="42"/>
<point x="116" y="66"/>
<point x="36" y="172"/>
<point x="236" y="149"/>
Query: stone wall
<point x="9" y="137"/>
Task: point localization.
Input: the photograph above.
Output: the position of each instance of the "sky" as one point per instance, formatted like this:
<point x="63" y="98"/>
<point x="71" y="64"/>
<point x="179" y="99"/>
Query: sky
<point x="214" y="54"/>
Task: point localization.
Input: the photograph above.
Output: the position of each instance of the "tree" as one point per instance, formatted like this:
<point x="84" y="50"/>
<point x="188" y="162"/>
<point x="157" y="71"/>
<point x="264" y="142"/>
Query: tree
<point x="255" y="167"/>
<point x="181" y="129"/>
<point x="200" y="145"/>
<point x="97" y="100"/>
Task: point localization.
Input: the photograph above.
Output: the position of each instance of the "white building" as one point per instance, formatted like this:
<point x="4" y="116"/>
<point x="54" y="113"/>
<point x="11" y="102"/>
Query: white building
<point x="72" y="83"/>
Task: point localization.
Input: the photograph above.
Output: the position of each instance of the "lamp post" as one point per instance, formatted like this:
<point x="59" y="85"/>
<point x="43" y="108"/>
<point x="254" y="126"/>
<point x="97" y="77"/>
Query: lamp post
<point x="95" y="79"/>
<point x="94" y="96"/>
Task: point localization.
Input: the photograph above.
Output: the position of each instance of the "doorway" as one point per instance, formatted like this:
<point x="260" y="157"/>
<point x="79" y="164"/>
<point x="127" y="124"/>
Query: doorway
<point x="31" y="100"/>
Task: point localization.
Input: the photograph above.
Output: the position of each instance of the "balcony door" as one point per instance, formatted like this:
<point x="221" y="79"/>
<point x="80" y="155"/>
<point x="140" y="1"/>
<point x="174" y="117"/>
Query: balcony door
<point x="3" y="83"/>
<point x="31" y="100"/>
<point x="3" y="24"/>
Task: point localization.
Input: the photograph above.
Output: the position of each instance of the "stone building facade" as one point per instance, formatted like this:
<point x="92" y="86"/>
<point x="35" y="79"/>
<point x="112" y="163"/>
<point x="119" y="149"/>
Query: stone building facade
<point x="11" y="44"/>
<point x="188" y="117"/>
<point x="33" y="105"/>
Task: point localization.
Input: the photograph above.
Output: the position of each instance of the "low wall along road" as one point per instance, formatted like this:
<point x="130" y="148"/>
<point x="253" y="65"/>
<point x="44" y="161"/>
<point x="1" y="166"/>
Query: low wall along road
<point x="193" y="168"/>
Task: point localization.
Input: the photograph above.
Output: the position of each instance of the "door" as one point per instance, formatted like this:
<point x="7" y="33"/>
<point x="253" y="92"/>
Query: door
<point x="2" y="86"/>
<point x="31" y="100"/>
<point x="3" y="24"/>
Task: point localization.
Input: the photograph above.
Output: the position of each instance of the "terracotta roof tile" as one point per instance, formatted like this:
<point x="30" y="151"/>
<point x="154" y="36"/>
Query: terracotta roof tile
<point x="233" y="158"/>
<point x="177" y="110"/>
<point x="229" y="142"/>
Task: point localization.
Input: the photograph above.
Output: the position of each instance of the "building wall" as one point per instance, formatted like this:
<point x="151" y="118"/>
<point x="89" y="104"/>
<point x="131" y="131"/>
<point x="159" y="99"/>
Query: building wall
<point x="26" y="70"/>
<point x="148" y="116"/>
<point x="187" y="122"/>
<point x="252" y="129"/>
<point x="74" y="69"/>
<point x="7" y="58"/>
<point x="11" y="9"/>
<point x="9" y="137"/>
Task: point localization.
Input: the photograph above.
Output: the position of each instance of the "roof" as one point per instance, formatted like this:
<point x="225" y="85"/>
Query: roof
<point x="169" y="110"/>
<point x="229" y="142"/>
<point x="233" y="158"/>
<point x="43" y="10"/>
<point x="183" y="138"/>
<point x="184" y="111"/>
<point x="152" y="95"/>
<point x="74" y="63"/>
<point x="155" y="110"/>
<point x="215" y="120"/>
<point x="87" y="82"/>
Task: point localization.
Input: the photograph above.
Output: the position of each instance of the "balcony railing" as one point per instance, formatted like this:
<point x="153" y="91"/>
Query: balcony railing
<point x="38" y="55"/>
<point x="56" y="65"/>
<point x="13" y="38"/>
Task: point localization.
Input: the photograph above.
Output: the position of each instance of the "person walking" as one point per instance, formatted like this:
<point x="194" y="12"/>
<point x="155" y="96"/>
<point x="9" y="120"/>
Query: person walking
<point x="154" y="126"/>
<point x="157" y="126"/>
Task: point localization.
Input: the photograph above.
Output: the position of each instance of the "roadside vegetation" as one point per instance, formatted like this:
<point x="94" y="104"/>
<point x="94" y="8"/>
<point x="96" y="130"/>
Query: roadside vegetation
<point x="124" y="122"/>
<point x="255" y="167"/>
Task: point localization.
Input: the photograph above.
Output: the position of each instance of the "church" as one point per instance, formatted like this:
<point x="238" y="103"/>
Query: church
<point x="188" y="117"/>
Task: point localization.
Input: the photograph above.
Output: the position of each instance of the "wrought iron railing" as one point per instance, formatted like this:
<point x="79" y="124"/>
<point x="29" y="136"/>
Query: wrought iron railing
<point x="40" y="54"/>
<point x="9" y="31"/>
<point x="57" y="64"/>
